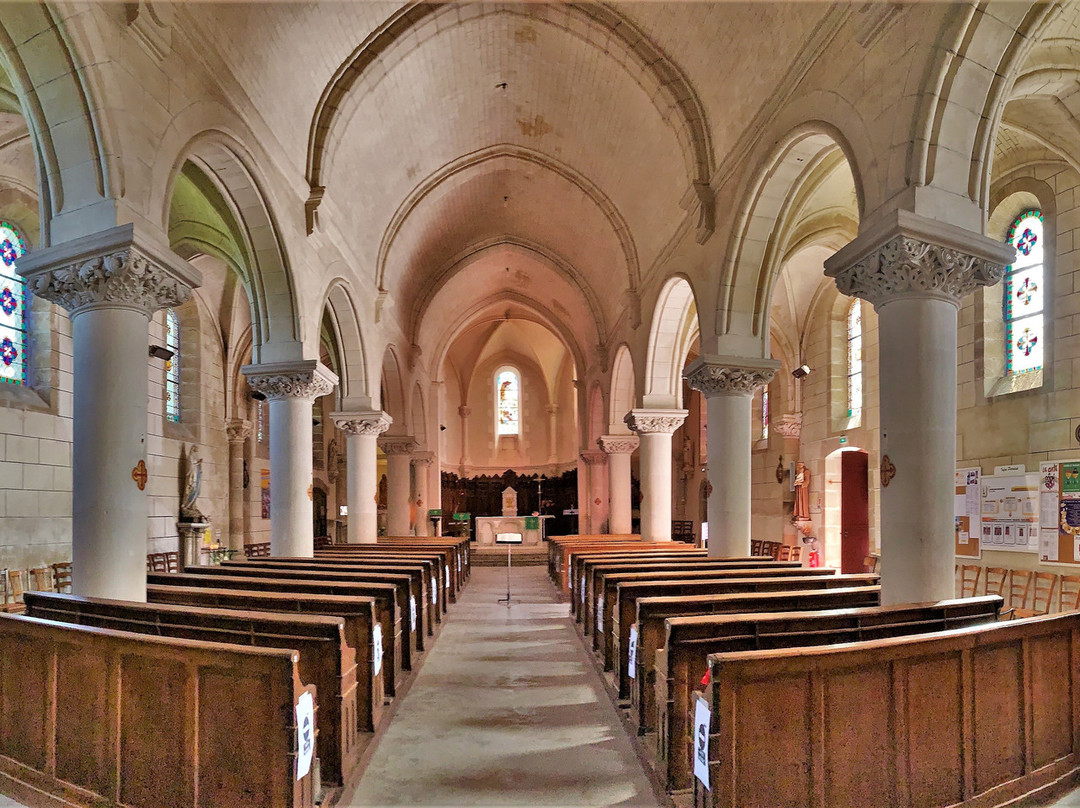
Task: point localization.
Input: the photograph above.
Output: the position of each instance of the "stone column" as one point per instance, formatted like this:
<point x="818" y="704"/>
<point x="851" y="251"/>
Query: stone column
<point x="619" y="448"/>
<point x="728" y="384"/>
<point x="421" y="463"/>
<point x="654" y="428"/>
<point x="110" y="283"/>
<point x="398" y="450"/>
<point x="237" y="432"/>
<point x="915" y="271"/>
<point x="595" y="461"/>
<point x="290" y="389"/>
<point x="553" y="434"/>
<point x="362" y="430"/>
<point x="464" y="412"/>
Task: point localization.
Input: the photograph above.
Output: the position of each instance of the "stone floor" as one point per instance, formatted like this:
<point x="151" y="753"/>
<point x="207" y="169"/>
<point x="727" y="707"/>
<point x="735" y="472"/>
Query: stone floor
<point x="507" y="710"/>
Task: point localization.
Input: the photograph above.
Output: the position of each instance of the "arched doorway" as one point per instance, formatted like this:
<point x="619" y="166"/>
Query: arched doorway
<point x="847" y="509"/>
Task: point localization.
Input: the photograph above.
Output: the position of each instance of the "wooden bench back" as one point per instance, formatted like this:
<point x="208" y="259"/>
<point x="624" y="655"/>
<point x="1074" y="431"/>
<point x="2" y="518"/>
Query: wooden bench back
<point x="564" y="560"/>
<point x="326" y="659"/>
<point x="784" y="731"/>
<point x="579" y="562"/>
<point x="144" y="720"/>
<point x="451" y="570"/>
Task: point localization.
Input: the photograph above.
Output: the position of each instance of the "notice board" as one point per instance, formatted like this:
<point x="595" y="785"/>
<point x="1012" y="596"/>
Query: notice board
<point x="968" y="513"/>
<point x="1011" y="512"/>
<point x="1059" y="512"/>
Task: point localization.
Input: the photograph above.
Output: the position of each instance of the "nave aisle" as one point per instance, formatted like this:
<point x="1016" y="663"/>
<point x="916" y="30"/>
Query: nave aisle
<point x="507" y="710"/>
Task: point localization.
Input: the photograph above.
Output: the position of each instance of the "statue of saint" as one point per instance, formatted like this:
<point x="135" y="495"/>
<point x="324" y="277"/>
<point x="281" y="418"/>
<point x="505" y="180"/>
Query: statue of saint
<point x="189" y="511"/>
<point x="802" y="492"/>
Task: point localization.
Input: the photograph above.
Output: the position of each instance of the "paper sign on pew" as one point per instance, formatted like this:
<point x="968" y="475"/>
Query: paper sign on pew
<point x="376" y="642"/>
<point x="702" y="722"/>
<point x="412" y="610"/>
<point x="446" y="570"/>
<point x="434" y="591"/>
<point x="305" y="734"/>
<point x="600" y="614"/>
<point x="632" y="652"/>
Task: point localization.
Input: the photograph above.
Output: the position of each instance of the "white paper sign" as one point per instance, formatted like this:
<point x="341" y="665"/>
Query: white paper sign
<point x="434" y="591"/>
<point x="702" y="720"/>
<point x="376" y="642"/>
<point x="305" y="734"/>
<point x="446" y="575"/>
<point x="582" y="587"/>
<point x="412" y="610"/>
<point x="632" y="670"/>
<point x="600" y="615"/>
<point x="459" y="563"/>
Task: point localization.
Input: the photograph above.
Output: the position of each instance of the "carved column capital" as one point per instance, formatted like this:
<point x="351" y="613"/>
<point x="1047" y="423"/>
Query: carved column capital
<point x="237" y="430"/>
<point x="909" y="256"/>
<point x="304" y="379"/>
<point x="618" y="444"/>
<point x="729" y="375"/>
<point x="116" y="268"/>
<point x="594" y="458"/>
<point x="552" y="409"/>
<point x="398" y="444"/>
<point x="646" y="422"/>
<point x="789" y="425"/>
<point x="464" y="411"/>
<point x="362" y="423"/>
<point x="423" y="458"/>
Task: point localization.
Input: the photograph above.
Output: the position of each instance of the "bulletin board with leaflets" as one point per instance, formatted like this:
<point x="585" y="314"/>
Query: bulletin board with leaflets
<point x="1059" y="512"/>
<point x="968" y="513"/>
<point x="1011" y="511"/>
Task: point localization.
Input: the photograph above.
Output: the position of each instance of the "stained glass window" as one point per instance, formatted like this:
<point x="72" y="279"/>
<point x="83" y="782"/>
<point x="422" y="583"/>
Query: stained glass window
<point x="854" y="360"/>
<point x="764" y="413"/>
<point x="172" y="367"/>
<point x="1024" y="296"/>
<point x="507" y="403"/>
<point x="13" y="307"/>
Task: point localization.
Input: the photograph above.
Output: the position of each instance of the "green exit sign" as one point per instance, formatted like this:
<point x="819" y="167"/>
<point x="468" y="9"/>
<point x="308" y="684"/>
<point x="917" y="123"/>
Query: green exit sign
<point x="843" y="439"/>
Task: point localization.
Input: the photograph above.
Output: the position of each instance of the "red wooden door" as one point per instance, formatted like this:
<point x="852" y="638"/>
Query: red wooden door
<point x="854" y="511"/>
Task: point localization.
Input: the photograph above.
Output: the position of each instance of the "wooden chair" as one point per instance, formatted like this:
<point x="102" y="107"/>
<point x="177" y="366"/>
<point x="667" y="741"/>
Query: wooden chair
<point x="969" y="580"/>
<point x="796" y="553"/>
<point x="1019" y="589"/>
<point x="755" y="547"/>
<point x="172" y="561"/>
<point x="40" y="580"/>
<point x="158" y="563"/>
<point x="872" y="564"/>
<point x="62" y="576"/>
<point x="1043" y="595"/>
<point x="996" y="578"/>
<point x="785" y="552"/>
<point x="1069" y="593"/>
<point x="14" y="591"/>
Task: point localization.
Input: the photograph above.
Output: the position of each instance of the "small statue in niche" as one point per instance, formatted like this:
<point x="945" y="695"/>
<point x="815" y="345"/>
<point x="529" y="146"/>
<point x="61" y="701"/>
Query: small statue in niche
<point x="332" y="460"/>
<point x="802" y="492"/>
<point x="189" y="511"/>
<point x="687" y="456"/>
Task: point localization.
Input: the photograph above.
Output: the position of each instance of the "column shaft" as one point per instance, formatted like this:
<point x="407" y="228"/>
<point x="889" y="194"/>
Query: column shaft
<point x="398" y="467"/>
<point x="236" y="495"/>
<point x="362" y="474"/>
<point x="420" y="486"/>
<point x="730" y="442"/>
<point x="619" y="518"/>
<point x="291" y="513"/>
<point x="655" y="486"/>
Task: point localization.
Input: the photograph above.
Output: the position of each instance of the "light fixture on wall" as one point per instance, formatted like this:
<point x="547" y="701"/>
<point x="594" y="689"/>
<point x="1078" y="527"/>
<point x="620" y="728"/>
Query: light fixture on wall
<point x="442" y="427"/>
<point x="160" y="352"/>
<point x="801" y="372"/>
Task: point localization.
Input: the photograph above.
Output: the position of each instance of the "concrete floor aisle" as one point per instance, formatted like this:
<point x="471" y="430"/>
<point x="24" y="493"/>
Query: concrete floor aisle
<point x="507" y="710"/>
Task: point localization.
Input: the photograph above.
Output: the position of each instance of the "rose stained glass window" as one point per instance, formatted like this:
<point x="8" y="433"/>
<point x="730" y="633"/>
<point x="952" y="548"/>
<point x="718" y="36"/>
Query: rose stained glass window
<point x="13" y="307"/>
<point x="1023" y="296"/>
<point x="172" y="367"/>
<point x="854" y="361"/>
<point x="507" y="403"/>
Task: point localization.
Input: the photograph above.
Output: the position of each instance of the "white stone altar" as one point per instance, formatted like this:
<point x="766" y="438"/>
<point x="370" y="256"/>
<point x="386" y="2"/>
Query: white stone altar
<point x="488" y="527"/>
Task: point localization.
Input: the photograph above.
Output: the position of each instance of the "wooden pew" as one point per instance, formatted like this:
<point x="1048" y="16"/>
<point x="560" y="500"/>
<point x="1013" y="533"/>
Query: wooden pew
<point x="423" y="600"/>
<point x="978" y="716"/>
<point x="326" y="659"/>
<point x="442" y="561"/>
<point x="581" y="565"/>
<point x="284" y="580"/>
<point x="458" y="546"/>
<point x="297" y="597"/>
<point x="564" y="555"/>
<point x="102" y="717"/>
<point x="447" y="579"/>
<point x="629" y="592"/>
<point x="557" y="543"/>
<point x="690" y="640"/>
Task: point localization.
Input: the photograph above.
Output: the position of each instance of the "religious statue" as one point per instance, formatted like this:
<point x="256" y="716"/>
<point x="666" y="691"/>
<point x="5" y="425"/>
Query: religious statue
<point x="332" y="458"/>
<point x="687" y="456"/>
<point x="189" y="511"/>
<point x="802" y="492"/>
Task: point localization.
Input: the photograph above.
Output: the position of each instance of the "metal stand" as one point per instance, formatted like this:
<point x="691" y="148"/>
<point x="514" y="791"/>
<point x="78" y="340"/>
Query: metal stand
<point x="507" y="600"/>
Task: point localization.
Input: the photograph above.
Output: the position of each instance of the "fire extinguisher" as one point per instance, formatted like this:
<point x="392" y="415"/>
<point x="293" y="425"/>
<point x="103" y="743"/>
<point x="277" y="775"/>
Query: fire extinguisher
<point x="814" y="558"/>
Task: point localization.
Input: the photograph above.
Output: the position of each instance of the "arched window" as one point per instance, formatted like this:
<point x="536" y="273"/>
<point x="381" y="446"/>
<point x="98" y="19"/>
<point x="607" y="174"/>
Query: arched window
<point x="13" y="308"/>
<point x="507" y="402"/>
<point x="765" y="413"/>
<point x="172" y="367"/>
<point x="854" y="360"/>
<point x="1023" y="301"/>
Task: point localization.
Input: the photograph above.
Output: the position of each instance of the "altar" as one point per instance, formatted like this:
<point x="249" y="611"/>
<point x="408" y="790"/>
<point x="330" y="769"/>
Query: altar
<point x="489" y="527"/>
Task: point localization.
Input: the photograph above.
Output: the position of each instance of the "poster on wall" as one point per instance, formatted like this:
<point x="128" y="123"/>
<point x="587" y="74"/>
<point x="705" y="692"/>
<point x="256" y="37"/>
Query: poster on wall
<point x="968" y="513"/>
<point x="1011" y="512"/>
<point x="264" y="486"/>
<point x="1059" y="512"/>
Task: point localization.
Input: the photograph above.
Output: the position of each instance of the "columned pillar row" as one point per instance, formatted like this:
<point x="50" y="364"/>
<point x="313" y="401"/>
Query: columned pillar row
<point x="618" y="449"/>
<point x="595" y="461"/>
<point x="915" y="271"/>
<point x="728" y="384"/>
<point x="421" y="463"/>
<point x="110" y="283"/>
<point x="398" y="450"/>
<point x="654" y="428"/>
<point x="464" y="412"/>
<point x="291" y="389"/>
<point x="362" y="430"/>
<point x="237" y="432"/>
